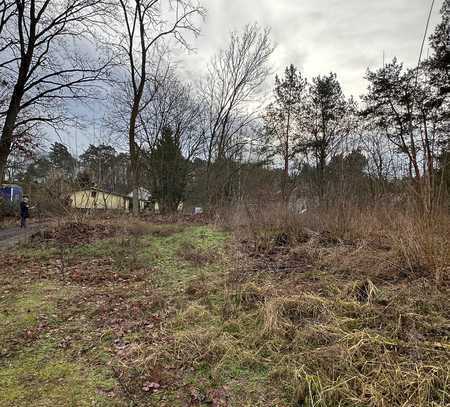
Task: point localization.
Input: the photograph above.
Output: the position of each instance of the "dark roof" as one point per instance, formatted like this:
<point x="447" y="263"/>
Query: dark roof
<point x="110" y="193"/>
<point x="10" y="186"/>
<point x="101" y="190"/>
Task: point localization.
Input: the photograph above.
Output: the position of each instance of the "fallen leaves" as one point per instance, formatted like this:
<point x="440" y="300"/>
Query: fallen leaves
<point x="75" y="233"/>
<point x="216" y="397"/>
<point x="152" y="386"/>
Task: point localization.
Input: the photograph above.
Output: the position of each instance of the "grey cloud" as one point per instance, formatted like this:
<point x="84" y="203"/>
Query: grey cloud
<point x="345" y="36"/>
<point x="318" y="36"/>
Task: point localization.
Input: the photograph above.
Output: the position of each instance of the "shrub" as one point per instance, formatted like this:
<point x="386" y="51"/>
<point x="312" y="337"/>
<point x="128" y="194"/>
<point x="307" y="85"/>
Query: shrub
<point x="8" y="209"/>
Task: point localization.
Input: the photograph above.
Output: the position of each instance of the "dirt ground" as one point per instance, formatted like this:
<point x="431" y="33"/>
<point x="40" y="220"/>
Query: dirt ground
<point x="11" y="233"/>
<point x="148" y="313"/>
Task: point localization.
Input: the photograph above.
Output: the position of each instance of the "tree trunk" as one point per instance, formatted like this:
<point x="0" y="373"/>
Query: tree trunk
<point x="27" y="51"/>
<point x="6" y="139"/>
<point x="134" y="158"/>
<point x="321" y="166"/>
<point x="5" y="150"/>
<point x="429" y="175"/>
<point x="285" y="186"/>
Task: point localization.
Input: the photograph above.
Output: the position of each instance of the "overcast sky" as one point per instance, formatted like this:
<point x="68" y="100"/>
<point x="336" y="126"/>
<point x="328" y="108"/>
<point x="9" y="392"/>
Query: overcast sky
<point x="318" y="36"/>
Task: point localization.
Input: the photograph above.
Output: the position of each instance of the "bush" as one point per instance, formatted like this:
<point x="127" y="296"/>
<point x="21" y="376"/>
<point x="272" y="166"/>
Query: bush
<point x="8" y="209"/>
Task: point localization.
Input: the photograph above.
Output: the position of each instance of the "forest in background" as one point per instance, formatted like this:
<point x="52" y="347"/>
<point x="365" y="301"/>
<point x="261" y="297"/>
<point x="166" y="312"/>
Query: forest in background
<point x="211" y="142"/>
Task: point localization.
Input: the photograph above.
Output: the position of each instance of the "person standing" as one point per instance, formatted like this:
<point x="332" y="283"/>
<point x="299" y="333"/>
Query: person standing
<point x="24" y="212"/>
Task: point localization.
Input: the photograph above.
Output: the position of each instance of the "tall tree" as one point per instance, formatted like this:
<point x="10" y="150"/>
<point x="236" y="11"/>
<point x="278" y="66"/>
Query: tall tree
<point x="327" y="123"/>
<point x="147" y="23"/>
<point x="438" y="68"/>
<point x="411" y="110"/>
<point x="62" y="160"/>
<point x="168" y="172"/>
<point x="234" y="79"/>
<point x="38" y="170"/>
<point x="439" y="62"/>
<point x="170" y="103"/>
<point x="100" y="163"/>
<point x="39" y="71"/>
<point x="283" y="120"/>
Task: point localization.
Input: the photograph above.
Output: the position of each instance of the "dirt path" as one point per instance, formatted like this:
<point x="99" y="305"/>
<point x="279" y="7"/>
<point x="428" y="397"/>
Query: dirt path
<point x="13" y="235"/>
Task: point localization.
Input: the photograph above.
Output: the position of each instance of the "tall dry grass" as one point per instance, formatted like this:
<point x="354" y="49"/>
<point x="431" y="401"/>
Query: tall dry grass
<point x="420" y="241"/>
<point x="349" y="303"/>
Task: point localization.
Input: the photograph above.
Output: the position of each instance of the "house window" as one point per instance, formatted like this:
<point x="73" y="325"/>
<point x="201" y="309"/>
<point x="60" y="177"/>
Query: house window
<point x="94" y="194"/>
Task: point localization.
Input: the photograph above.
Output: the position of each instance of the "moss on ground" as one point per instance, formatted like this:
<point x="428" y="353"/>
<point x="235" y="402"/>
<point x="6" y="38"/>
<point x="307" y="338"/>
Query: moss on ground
<point x="34" y="370"/>
<point x="43" y="376"/>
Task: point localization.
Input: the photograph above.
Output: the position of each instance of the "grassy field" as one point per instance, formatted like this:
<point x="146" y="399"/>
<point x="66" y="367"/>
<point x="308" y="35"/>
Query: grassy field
<point x="143" y="314"/>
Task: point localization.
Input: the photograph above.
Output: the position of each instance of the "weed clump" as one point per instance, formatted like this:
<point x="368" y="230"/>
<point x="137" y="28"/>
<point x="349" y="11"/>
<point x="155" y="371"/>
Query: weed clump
<point x="194" y="255"/>
<point x="75" y="233"/>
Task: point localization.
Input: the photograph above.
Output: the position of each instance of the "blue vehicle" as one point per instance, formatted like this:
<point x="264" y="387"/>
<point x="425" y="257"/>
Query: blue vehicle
<point x="11" y="193"/>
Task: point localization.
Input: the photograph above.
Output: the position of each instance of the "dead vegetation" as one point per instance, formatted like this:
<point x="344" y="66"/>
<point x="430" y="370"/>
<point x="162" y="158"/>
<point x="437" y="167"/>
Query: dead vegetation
<point x="278" y="315"/>
<point x="89" y="230"/>
<point x="349" y="315"/>
<point x="74" y="233"/>
<point x="406" y="242"/>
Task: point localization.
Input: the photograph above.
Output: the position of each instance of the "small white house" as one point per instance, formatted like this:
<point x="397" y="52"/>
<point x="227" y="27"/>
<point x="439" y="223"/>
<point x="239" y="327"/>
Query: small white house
<point x="145" y="198"/>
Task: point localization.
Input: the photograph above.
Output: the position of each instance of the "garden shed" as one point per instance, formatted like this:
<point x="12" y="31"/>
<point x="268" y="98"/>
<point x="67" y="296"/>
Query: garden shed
<point x="11" y="193"/>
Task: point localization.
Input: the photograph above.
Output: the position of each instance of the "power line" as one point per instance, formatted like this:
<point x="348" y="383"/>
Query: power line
<point x="426" y="32"/>
<point x="423" y="40"/>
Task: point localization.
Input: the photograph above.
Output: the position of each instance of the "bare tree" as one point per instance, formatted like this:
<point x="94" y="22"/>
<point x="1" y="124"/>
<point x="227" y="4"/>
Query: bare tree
<point x="117" y="118"/>
<point x="380" y="155"/>
<point x="39" y="71"/>
<point x="172" y="105"/>
<point x="147" y="23"/>
<point x="233" y="81"/>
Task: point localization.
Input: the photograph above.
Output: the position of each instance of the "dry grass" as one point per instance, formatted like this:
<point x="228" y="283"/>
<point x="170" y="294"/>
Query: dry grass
<point x="417" y="244"/>
<point x="352" y="306"/>
<point x="283" y="312"/>
<point x="339" y="351"/>
<point x="294" y="313"/>
<point x="423" y="244"/>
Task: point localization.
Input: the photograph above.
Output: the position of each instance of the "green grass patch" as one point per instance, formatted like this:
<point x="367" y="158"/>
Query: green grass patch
<point x="42" y="376"/>
<point x="21" y="311"/>
<point x="34" y="370"/>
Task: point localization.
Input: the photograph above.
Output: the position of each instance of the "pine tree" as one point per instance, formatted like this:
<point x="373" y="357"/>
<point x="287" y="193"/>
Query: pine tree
<point x="439" y="61"/>
<point x="328" y="121"/>
<point x="282" y="121"/>
<point x="61" y="160"/>
<point x="168" y="172"/>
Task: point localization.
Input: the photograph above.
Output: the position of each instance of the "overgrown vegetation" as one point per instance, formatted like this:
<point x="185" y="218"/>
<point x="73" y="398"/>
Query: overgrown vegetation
<point x="269" y="313"/>
<point x="315" y="268"/>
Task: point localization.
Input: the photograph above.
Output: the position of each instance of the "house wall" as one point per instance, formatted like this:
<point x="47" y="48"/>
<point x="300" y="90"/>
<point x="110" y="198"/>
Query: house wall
<point x="90" y="199"/>
<point x="142" y="205"/>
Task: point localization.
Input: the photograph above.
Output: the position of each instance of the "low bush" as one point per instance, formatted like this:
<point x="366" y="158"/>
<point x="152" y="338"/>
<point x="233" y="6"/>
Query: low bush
<point x="8" y="209"/>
